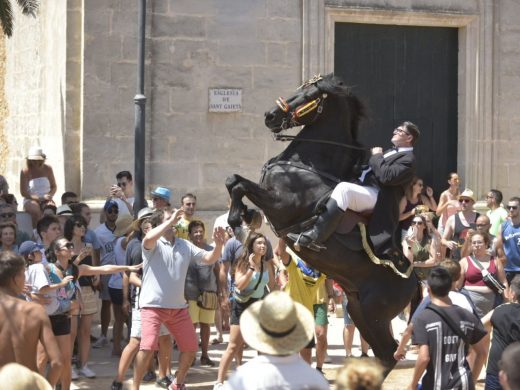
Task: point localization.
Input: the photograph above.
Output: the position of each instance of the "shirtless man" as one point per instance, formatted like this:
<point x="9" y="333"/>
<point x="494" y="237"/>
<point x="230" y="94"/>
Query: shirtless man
<point x="23" y="324"/>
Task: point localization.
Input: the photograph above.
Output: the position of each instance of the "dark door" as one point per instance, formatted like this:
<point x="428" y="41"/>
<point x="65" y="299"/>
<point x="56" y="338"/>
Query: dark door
<point x="405" y="73"/>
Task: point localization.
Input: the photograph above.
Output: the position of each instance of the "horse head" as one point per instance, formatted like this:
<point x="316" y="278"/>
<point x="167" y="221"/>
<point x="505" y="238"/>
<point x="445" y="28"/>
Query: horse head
<point x="311" y="102"/>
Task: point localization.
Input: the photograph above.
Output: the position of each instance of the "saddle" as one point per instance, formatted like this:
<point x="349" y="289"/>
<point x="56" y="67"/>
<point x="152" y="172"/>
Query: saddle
<point x="352" y="233"/>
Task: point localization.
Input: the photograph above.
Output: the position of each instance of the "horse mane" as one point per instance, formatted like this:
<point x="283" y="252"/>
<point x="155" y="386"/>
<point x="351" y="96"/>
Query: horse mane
<point x="348" y="102"/>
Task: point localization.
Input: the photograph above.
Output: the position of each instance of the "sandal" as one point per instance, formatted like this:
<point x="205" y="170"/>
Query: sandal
<point x="216" y="341"/>
<point x="206" y="361"/>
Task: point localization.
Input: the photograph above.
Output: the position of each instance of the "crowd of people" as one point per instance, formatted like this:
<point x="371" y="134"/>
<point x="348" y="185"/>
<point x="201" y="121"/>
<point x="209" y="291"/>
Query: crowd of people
<point x="162" y="275"/>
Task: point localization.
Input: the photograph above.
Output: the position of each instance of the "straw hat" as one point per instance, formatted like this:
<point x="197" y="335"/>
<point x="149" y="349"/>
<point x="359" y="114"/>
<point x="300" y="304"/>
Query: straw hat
<point x="145" y="212"/>
<point x="64" y="210"/>
<point x="467" y="193"/>
<point x="18" y="377"/>
<point x="36" y="153"/>
<point x="123" y="224"/>
<point x="277" y="325"/>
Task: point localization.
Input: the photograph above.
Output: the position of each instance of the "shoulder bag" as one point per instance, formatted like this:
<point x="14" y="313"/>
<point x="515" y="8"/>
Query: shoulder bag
<point x="244" y="297"/>
<point x="450" y="323"/>
<point x="488" y="278"/>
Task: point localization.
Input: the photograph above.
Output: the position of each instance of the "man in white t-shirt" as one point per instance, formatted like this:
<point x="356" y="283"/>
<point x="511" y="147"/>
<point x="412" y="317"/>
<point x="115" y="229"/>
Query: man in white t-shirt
<point x="106" y="237"/>
<point x="166" y="259"/>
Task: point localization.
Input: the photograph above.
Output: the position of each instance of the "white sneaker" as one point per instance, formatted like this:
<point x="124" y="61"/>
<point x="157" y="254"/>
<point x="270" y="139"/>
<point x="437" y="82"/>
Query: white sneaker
<point x="74" y="374"/>
<point x="100" y="342"/>
<point x="87" y="372"/>
<point x="218" y="386"/>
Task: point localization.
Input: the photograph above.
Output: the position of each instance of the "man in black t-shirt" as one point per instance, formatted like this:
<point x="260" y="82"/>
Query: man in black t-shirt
<point x="506" y="330"/>
<point x="442" y="351"/>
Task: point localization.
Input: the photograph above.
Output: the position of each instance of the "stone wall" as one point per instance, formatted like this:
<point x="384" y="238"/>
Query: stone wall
<point x="192" y="46"/>
<point x="35" y="87"/>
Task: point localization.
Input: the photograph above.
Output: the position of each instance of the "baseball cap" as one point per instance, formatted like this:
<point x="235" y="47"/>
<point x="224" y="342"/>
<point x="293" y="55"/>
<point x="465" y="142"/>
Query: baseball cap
<point x="28" y="247"/>
<point x="109" y="204"/>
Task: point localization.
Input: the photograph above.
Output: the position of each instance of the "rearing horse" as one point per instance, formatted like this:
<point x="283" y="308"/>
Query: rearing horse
<point x="292" y="184"/>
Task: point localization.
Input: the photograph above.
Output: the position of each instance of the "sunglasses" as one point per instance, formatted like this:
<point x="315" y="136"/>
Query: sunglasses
<point x="417" y="222"/>
<point x="77" y="224"/>
<point x="479" y="225"/>
<point x="464" y="200"/>
<point x="7" y="215"/>
<point x="512" y="207"/>
<point x="112" y="211"/>
<point x="68" y="245"/>
<point x="122" y="184"/>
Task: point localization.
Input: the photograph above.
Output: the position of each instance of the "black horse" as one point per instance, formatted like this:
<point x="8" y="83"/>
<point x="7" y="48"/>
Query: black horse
<point x="292" y="184"/>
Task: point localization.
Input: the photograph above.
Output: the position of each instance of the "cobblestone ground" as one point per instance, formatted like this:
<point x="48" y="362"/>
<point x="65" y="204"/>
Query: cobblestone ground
<point x="203" y="378"/>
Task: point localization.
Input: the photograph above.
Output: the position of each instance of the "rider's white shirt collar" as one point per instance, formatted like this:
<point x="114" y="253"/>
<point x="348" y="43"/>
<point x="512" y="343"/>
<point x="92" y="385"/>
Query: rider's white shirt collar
<point x="398" y="150"/>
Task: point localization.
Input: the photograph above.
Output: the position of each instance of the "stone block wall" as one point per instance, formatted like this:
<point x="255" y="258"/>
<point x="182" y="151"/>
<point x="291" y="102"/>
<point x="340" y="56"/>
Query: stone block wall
<point x="191" y="46"/>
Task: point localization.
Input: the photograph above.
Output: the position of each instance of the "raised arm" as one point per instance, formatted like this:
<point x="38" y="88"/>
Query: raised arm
<point x="219" y="237"/>
<point x="429" y="200"/>
<point x="150" y="240"/>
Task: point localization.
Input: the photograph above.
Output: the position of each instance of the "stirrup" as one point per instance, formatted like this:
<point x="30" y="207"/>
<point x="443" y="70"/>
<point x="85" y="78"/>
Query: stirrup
<point x="313" y="246"/>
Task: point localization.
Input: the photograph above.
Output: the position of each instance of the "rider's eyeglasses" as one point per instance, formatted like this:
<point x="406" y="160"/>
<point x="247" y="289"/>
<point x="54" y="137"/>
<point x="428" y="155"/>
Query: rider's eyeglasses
<point x="512" y="207"/>
<point x="401" y="131"/>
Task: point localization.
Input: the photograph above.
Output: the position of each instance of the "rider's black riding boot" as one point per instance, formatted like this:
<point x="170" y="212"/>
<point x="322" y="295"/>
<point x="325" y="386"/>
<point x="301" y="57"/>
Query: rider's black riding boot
<point x="323" y="228"/>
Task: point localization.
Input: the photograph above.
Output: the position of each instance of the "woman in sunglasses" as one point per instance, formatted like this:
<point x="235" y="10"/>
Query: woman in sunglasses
<point x="82" y="253"/>
<point x="415" y="195"/>
<point x="420" y="248"/>
<point x="60" y="255"/>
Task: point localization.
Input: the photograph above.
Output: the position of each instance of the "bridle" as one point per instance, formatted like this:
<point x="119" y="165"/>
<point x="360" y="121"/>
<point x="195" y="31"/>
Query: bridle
<point x="294" y="116"/>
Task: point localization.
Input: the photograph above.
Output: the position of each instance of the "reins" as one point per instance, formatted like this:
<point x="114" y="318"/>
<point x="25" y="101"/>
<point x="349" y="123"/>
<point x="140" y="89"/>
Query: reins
<point x="282" y="137"/>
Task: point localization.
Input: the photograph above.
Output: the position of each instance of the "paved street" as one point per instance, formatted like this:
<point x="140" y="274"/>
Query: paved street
<point x="105" y="365"/>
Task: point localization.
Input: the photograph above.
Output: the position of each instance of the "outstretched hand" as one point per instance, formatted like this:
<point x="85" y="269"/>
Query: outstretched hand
<point x="135" y="268"/>
<point x="219" y="235"/>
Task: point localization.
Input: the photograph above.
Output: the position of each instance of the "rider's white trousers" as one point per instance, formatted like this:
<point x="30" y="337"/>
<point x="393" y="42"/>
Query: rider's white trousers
<point x="355" y="197"/>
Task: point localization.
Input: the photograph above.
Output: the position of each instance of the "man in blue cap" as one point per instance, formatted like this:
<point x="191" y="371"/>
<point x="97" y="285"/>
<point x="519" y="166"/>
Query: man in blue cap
<point x="106" y="237"/>
<point x="161" y="197"/>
